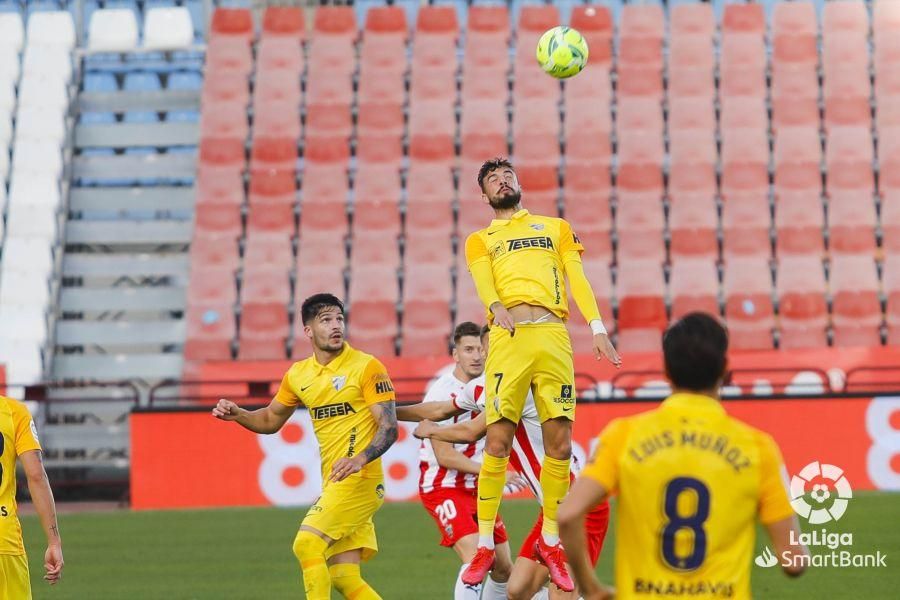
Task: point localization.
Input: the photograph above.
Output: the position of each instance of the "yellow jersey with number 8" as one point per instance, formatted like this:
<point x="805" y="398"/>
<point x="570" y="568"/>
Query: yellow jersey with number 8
<point x="19" y="436"/>
<point x="692" y="482"/>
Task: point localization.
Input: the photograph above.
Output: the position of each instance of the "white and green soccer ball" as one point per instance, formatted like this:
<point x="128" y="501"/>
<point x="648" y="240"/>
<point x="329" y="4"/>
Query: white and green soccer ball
<point x="562" y="52"/>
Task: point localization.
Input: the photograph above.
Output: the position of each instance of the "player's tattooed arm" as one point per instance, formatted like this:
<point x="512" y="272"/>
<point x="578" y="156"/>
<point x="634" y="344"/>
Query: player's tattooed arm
<point x="385" y="414"/>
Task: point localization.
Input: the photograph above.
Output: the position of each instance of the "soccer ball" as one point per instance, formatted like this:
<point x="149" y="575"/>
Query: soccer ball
<point x="562" y="52"/>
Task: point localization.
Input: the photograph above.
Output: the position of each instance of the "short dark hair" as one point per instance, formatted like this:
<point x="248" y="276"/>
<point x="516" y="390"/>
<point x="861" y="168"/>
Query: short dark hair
<point x="316" y="303"/>
<point x="463" y="329"/>
<point x="486" y="329"/>
<point x="492" y="165"/>
<point x="695" y="348"/>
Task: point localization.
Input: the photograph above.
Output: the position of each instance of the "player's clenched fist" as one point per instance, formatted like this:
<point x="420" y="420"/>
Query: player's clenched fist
<point x="226" y="410"/>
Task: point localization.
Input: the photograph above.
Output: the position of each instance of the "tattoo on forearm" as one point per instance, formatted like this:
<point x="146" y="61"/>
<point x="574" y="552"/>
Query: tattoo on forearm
<point x="54" y="530"/>
<point x="386" y="434"/>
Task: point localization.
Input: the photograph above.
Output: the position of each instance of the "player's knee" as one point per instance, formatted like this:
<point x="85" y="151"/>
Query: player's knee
<point x="519" y="588"/>
<point x="501" y="570"/>
<point x="559" y="449"/>
<point x="308" y="545"/>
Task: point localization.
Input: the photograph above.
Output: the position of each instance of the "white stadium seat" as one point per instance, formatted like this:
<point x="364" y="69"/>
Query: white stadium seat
<point x="28" y="254"/>
<point x="47" y="62"/>
<point x="168" y="28"/>
<point x="32" y="221"/>
<point x="49" y="94"/>
<point x="20" y="287"/>
<point x="6" y="132"/>
<point x="7" y="95"/>
<point x="37" y="124"/>
<point x="11" y="31"/>
<point x="9" y="63"/>
<point x="4" y="164"/>
<point x="51" y="28"/>
<point x="113" y="30"/>
<point x="42" y="158"/>
<point x="34" y="191"/>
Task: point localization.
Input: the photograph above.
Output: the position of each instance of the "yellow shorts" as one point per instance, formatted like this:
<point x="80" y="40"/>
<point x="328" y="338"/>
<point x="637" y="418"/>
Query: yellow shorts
<point x="537" y="357"/>
<point x="15" y="582"/>
<point x="344" y="513"/>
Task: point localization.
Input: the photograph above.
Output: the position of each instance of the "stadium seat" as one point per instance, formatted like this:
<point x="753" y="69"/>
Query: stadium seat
<point x="851" y="222"/>
<point x="596" y="25"/>
<point x="744" y="112"/>
<point x="640" y="289"/>
<point x="803" y="315"/>
<point x="277" y="85"/>
<point x="436" y="19"/>
<point x="885" y="20"/>
<point x="12" y="31"/>
<point x="168" y="28"/>
<point x="640" y="115"/>
<point x="283" y="22"/>
<point x="377" y="198"/>
<point x="692" y="51"/>
<point x="797" y="158"/>
<point x="272" y="199"/>
<point x="846" y="92"/>
<point x="586" y="196"/>
<point x="335" y="21"/>
<point x="640" y="161"/>
<point x="214" y="286"/>
<point x="276" y="153"/>
<point x="591" y="84"/>
<point x="433" y="84"/>
<point x="227" y="54"/>
<point x="51" y="28"/>
<point x="640" y="223"/>
<point x="642" y="20"/>
<point x="848" y="16"/>
<point x="597" y="272"/>
<point x="888" y="163"/>
<point x="112" y="30"/>
<point x="487" y="38"/>
<point x="483" y="117"/>
<point x="639" y="51"/>
<point x="694" y="286"/>
<point x="747" y="286"/>
<point x="691" y="82"/>
<point x="376" y="119"/>
<point x="276" y="118"/>
<point x="744" y="18"/>
<point x="640" y="81"/>
<point x="745" y="225"/>
<point x="231" y="23"/>
<point x="849" y="157"/>
<point x="692" y="226"/>
<point x="856" y="308"/>
<point x="279" y="52"/>
<point x="794" y="18"/>
<point x="480" y="84"/>
<point x="333" y="54"/>
<point x="692" y="18"/>
<point x="218" y="186"/>
<point x="426" y="291"/>
<point x="225" y="87"/>
<point x="218" y="218"/>
<point x="890" y="221"/>
<point x="378" y="149"/>
<point x="845" y="50"/>
<point x="224" y="153"/>
<point x="210" y="330"/>
<point x="798" y="222"/>
<point x="745" y="160"/>
<point x="373" y="308"/>
<point x="210" y="251"/>
<point x="692" y="161"/>
<point x="434" y="117"/>
<point x="742" y="51"/>
<point x="263" y="332"/>
<point x="891" y="284"/>
<point x="742" y="81"/>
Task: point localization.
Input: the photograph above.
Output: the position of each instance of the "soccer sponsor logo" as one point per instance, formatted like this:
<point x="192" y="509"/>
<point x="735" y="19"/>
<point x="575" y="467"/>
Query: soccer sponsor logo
<point x="331" y="410"/>
<point x="814" y="486"/>
<point x="767" y="559"/>
<point x="537" y="226"/>
<point x="338" y="382"/>
<point x="384" y="386"/>
<point x="379" y="491"/>
<point x="533" y="242"/>
<point x="498" y="250"/>
<point x="34" y="431"/>
<point x="566" y="397"/>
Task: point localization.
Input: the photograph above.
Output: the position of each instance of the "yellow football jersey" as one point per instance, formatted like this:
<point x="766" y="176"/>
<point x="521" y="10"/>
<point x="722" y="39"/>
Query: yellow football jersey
<point x="338" y="396"/>
<point x="19" y="436"/>
<point x="526" y="256"/>
<point x="691" y="482"/>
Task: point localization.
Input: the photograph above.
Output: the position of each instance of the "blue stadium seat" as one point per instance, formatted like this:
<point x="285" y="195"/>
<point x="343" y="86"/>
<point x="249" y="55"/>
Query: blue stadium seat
<point x="97" y="118"/>
<point x="141" y="116"/>
<point x="185" y="80"/>
<point x="10" y="6"/>
<point x="142" y="82"/>
<point x="196" y="9"/>
<point x="100" y="82"/>
<point x="183" y="116"/>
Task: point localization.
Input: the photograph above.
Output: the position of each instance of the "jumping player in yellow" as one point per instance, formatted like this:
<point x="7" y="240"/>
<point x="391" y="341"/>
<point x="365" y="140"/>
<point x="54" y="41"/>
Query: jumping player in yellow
<point x="519" y="264"/>
<point x="691" y="482"/>
<point x="351" y="401"/>
<point x="18" y="439"/>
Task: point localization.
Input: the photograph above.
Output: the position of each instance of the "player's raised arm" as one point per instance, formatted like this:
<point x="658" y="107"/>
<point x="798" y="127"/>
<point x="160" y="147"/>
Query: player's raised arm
<point x="44" y="505"/>
<point x="570" y="248"/>
<point x="431" y="411"/>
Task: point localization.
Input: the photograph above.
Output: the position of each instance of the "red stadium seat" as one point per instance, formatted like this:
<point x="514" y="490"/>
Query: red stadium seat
<point x="890" y="221"/>
<point x="373" y="249"/>
<point x="383" y="54"/>
<point x="587" y="116"/>
<point x="694" y="286"/>
<point x="642" y="19"/>
<point x="845" y="50"/>
<point x="224" y="120"/>
<point x="586" y="198"/>
<point x="375" y="119"/>
<point x="268" y="250"/>
<point x="595" y="24"/>
<point x="429" y="192"/>
<point x="640" y="161"/>
<point x="640" y="81"/>
<point x="315" y="278"/>
<point x="795" y="49"/>
<point x="489" y="19"/>
<point x="588" y="148"/>
<point x="432" y="117"/>
<point x="386" y="19"/>
<point x="264" y="332"/>
<point x="794" y="112"/>
<point x="373" y="309"/>
<point x="693" y="225"/>
<point x="278" y="154"/>
<point x="320" y="248"/>
<point x="693" y="51"/>
<point x="851" y="222"/>
<point x="849" y="156"/>
<point x="218" y="218"/>
<point x="487" y="37"/>
<point x="590" y="85"/>
<point x="434" y="53"/>
<point x="597" y="272"/>
<point x="277" y="85"/>
<point x="885" y="19"/>
<point x="466" y="306"/>
<point x="378" y="149"/>
<point x="799" y="221"/>
<point x="691" y="19"/>
<point x="225" y="87"/>
<point x="213" y="286"/>
<point x="640" y="223"/>
<point x="222" y="153"/>
<point x="333" y="120"/>
<point x="692" y="163"/>
<point x="745" y="225"/>
<point x="273" y="199"/>
<point x="284" y="21"/>
<point x="849" y="16"/>
<point x="794" y="18"/>
<point x="846" y="93"/>
<point x="332" y="55"/>
<point x="433" y="84"/>
<point x="744" y="112"/>
<point x="232" y="23"/>
<point x="426" y="309"/>
<point x="480" y="84"/>
<point x="335" y="20"/>
<point x="640" y="290"/>
<point x="791" y="81"/>
<point x="743" y="81"/>
<point x="432" y="19"/>
<point x="640" y="115"/>
<point x="797" y="157"/>
<point x="745" y="160"/>
<point x="803" y="315"/>
<point x="747" y="286"/>
<point x="229" y="55"/>
<point x="279" y="54"/>
<point x="691" y="82"/>
<point x="322" y="150"/>
<point x="212" y="251"/>
<point x="265" y="289"/>
<point x="891" y="283"/>
<point x="744" y="18"/>
<point x="483" y="117"/>
<point x="324" y="185"/>
<point x="636" y="51"/>
<point x="889" y="159"/>
<point x="376" y="205"/>
<point x="743" y="51"/>
<point x="421" y="246"/>
<point x="856" y="308"/>
<point x="214" y="185"/>
<point x="276" y="119"/>
<point x="210" y="330"/>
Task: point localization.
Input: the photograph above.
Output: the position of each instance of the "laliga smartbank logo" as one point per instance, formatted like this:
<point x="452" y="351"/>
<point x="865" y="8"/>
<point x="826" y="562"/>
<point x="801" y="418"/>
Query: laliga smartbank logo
<point x="820" y="493"/>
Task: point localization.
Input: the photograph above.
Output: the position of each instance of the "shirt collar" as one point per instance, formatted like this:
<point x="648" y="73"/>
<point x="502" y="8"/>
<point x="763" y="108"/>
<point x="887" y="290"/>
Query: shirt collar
<point x="519" y="214"/>
<point x="337" y="363"/>
<point x="693" y="402"/>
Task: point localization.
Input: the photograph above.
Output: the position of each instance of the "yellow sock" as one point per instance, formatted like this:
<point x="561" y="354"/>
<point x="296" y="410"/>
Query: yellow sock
<point x="491" y="480"/>
<point x="310" y="551"/>
<point x="350" y="584"/>
<point x="555" y="485"/>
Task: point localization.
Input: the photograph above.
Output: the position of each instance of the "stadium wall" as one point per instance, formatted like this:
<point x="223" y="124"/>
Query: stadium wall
<point x="182" y="457"/>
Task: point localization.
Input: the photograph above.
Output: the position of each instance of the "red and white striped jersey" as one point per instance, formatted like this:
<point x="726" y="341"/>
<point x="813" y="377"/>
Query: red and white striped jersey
<point x="528" y="445"/>
<point x="432" y="475"/>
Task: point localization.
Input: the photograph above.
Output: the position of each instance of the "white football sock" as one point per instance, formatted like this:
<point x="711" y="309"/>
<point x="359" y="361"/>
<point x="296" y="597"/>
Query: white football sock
<point x="465" y="592"/>
<point x="486" y="541"/>
<point x="494" y="590"/>
<point x="550" y="540"/>
<point x="543" y="594"/>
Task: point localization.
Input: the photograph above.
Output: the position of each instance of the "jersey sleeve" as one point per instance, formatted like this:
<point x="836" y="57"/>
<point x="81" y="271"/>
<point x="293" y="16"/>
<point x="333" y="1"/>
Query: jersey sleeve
<point x="286" y="394"/>
<point x="603" y="466"/>
<point x="568" y="241"/>
<point x="774" y="504"/>
<point x="475" y="249"/>
<point x="376" y="383"/>
<point x="26" y="432"/>
<point x="472" y="397"/>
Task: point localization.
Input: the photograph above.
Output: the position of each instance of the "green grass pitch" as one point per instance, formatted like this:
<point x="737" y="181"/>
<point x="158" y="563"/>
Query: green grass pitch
<point x="246" y="554"/>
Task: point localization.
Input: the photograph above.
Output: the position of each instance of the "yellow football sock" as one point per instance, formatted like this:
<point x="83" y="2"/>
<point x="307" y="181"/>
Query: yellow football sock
<point x="555" y="485"/>
<point x="491" y="480"/>
<point x="350" y="584"/>
<point x="310" y="551"/>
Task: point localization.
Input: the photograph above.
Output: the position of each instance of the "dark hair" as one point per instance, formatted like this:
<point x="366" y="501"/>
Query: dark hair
<point x="486" y="329"/>
<point x="463" y="329"/>
<point x="695" y="348"/>
<point x="313" y="305"/>
<point x="492" y="165"/>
